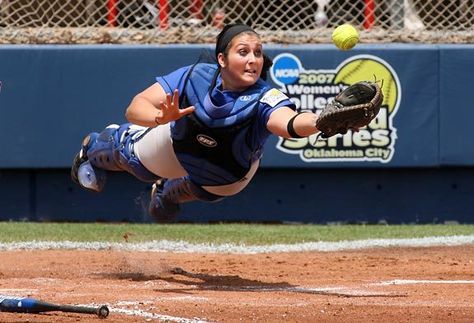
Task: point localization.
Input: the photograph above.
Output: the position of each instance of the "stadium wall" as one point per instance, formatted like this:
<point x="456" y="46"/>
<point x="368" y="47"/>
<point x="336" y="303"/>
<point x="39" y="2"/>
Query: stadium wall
<point x="414" y="164"/>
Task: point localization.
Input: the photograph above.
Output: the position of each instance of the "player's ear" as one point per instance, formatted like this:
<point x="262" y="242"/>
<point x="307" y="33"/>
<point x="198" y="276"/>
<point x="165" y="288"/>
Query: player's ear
<point x="221" y="60"/>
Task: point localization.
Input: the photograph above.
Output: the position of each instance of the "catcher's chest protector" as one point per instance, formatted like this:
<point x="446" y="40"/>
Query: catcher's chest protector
<point x="212" y="143"/>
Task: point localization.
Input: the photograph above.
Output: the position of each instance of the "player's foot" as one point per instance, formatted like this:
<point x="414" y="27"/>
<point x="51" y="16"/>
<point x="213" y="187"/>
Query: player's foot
<point x="83" y="172"/>
<point x="79" y="159"/>
<point x="161" y="207"/>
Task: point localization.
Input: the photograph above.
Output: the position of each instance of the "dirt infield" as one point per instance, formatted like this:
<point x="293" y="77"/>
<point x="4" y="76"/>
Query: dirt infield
<point x="391" y="285"/>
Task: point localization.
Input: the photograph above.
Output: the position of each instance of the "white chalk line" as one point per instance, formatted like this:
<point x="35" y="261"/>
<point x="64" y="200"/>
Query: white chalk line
<point x="186" y="247"/>
<point x="334" y="291"/>
<point x="422" y="282"/>
<point x="16" y="291"/>
<point x="148" y="315"/>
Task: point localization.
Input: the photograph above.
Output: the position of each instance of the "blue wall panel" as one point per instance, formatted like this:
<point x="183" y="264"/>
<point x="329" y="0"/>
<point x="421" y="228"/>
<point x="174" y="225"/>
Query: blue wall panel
<point x="57" y="198"/>
<point x="456" y="113"/>
<point x="275" y="195"/>
<point x="17" y="189"/>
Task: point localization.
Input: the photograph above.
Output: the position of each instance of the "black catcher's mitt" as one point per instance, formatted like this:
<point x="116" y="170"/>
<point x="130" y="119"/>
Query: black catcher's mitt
<point x="353" y="108"/>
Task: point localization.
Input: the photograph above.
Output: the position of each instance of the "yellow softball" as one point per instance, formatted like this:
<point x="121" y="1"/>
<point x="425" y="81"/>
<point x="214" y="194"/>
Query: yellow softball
<point x="345" y="37"/>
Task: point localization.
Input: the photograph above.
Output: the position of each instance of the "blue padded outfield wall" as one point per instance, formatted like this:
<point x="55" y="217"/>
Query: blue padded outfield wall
<point x="413" y="164"/>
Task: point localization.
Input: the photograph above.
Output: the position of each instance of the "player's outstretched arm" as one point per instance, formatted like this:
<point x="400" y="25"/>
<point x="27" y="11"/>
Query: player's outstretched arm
<point x="283" y="120"/>
<point x="153" y="107"/>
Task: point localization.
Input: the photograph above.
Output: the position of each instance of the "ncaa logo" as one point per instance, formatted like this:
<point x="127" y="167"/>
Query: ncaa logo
<point x="206" y="141"/>
<point x="245" y="98"/>
<point x="286" y="69"/>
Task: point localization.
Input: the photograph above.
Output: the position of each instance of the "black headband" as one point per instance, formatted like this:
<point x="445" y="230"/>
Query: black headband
<point x="227" y="34"/>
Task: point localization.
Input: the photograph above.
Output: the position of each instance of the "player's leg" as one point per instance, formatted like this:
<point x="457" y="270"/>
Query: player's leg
<point x="168" y="194"/>
<point x="110" y="150"/>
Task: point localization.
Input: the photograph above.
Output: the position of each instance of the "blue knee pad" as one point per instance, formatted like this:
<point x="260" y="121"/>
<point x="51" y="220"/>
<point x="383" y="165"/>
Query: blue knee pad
<point x="101" y="150"/>
<point x="182" y="189"/>
<point x="113" y="150"/>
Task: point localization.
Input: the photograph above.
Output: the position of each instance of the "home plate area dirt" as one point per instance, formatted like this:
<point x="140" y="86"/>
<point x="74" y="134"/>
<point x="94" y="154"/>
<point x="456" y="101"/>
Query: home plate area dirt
<point x="429" y="284"/>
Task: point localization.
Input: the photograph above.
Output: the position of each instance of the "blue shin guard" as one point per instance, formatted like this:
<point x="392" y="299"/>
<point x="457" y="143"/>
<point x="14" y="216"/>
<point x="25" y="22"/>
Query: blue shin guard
<point x="167" y="194"/>
<point x="110" y="150"/>
<point x="101" y="151"/>
<point x="113" y="151"/>
<point x="96" y="156"/>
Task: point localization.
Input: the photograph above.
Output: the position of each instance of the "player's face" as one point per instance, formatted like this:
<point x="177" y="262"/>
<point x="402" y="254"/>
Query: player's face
<point x="243" y="64"/>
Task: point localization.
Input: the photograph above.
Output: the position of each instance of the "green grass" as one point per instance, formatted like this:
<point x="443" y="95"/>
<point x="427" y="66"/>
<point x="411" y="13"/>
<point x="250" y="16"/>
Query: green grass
<point x="249" y="234"/>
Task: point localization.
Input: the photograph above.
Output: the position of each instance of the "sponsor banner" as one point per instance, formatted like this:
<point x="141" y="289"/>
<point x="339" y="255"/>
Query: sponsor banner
<point x="312" y="86"/>
<point x="312" y="89"/>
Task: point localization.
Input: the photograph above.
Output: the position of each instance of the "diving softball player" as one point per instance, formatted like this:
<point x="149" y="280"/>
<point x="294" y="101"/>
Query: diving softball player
<point x="198" y="132"/>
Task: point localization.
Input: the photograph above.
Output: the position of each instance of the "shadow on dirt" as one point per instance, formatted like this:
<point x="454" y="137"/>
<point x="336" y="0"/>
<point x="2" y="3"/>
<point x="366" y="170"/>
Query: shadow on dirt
<point x="201" y="281"/>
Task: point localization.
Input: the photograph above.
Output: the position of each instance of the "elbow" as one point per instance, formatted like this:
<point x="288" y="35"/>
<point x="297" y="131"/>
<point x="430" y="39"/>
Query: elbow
<point x="128" y="114"/>
<point x="130" y="111"/>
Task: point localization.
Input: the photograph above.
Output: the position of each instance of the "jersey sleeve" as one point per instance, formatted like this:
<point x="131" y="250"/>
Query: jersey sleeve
<point x="272" y="100"/>
<point x="174" y="80"/>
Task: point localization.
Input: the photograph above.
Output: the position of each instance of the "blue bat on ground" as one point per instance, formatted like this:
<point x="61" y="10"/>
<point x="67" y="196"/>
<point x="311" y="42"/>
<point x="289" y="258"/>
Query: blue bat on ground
<point x="32" y="305"/>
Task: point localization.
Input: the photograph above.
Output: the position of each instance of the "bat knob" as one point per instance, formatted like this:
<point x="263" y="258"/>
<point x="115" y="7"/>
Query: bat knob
<point x="103" y="312"/>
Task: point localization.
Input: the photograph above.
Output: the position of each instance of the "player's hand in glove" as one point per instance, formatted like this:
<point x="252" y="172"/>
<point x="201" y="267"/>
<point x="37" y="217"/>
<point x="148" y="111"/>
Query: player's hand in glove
<point x="353" y="108"/>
